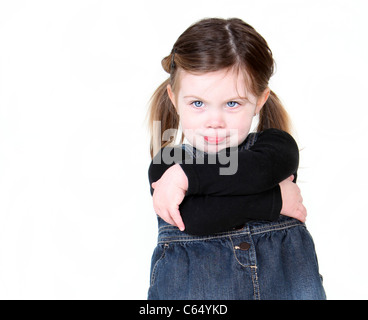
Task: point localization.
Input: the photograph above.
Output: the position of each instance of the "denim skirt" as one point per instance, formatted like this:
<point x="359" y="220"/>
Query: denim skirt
<point x="260" y="261"/>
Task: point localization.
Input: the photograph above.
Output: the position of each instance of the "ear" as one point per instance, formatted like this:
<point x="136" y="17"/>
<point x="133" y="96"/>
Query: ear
<point x="171" y="95"/>
<point x="262" y="100"/>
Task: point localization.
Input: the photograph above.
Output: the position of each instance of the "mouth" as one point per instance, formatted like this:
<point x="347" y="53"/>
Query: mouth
<point x="214" y="140"/>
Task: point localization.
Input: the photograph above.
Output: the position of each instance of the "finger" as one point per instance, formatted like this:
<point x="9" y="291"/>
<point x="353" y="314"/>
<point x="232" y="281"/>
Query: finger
<point x="300" y="216"/>
<point x="301" y="199"/>
<point x="302" y="209"/>
<point x="175" y="215"/>
<point x="166" y="217"/>
<point x="303" y="213"/>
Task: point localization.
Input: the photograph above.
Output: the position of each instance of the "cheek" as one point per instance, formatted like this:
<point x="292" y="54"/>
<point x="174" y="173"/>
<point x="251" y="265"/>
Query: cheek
<point x="185" y="123"/>
<point x="242" y="124"/>
<point x="188" y="120"/>
<point x="241" y="127"/>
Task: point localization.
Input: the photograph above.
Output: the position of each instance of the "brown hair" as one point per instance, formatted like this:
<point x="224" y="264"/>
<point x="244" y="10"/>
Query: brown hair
<point x="211" y="45"/>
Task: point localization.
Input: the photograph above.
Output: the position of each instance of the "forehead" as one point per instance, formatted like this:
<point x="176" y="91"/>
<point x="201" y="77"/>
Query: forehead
<point x="211" y="85"/>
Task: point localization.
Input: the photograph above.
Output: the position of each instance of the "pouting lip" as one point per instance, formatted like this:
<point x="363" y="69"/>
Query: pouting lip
<point x="215" y="139"/>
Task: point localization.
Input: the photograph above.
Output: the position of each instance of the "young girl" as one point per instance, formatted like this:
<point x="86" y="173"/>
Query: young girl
<point x="219" y="198"/>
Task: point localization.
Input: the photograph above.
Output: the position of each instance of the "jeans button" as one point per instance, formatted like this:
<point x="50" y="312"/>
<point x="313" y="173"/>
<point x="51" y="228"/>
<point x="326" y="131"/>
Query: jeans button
<point x="244" y="246"/>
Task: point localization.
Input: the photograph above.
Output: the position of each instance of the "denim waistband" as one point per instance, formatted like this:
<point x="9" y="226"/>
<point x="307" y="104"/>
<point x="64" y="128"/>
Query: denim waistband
<point x="168" y="233"/>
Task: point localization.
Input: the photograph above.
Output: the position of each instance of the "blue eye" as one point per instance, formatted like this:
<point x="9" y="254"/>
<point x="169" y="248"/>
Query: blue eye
<point x="197" y="104"/>
<point x="232" y="104"/>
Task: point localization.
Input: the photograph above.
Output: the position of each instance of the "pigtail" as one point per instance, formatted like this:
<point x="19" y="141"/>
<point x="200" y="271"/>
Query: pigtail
<point x="274" y="115"/>
<point x="162" y="116"/>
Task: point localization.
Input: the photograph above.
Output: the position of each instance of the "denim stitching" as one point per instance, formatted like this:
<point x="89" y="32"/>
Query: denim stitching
<point x="235" y="255"/>
<point x="253" y="231"/>
<point x="153" y="277"/>
<point x="281" y="226"/>
<point x="253" y="259"/>
<point x="192" y="238"/>
<point x="254" y="275"/>
<point x="256" y="293"/>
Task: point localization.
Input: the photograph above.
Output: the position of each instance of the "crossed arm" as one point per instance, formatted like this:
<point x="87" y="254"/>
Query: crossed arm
<point x="208" y="202"/>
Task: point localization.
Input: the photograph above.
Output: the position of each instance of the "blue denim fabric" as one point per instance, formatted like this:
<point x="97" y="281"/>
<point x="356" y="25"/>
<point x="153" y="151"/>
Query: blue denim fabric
<point x="262" y="261"/>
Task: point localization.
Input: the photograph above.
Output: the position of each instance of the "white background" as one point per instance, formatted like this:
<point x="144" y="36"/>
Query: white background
<point x="76" y="219"/>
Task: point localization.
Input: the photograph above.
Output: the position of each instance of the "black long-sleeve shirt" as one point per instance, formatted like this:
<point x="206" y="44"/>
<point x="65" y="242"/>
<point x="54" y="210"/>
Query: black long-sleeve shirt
<point x="216" y="202"/>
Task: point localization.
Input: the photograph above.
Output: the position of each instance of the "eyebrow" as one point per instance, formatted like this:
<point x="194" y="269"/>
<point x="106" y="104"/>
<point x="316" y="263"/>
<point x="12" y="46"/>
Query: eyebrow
<point x="232" y="99"/>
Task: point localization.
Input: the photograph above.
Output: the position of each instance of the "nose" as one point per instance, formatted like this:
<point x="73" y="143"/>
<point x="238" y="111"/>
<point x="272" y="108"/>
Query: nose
<point x="215" y="120"/>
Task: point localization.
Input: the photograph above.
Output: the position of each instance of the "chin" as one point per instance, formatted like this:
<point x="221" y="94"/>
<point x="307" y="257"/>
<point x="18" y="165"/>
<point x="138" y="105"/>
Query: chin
<point x="201" y="144"/>
<point x="214" y="149"/>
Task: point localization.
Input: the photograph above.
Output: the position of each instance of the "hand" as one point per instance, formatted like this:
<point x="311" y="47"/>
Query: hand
<point x="169" y="192"/>
<point x="292" y="201"/>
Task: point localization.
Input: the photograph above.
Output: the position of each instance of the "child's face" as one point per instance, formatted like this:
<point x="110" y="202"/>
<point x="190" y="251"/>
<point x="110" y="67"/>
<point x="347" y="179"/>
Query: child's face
<point x="215" y="109"/>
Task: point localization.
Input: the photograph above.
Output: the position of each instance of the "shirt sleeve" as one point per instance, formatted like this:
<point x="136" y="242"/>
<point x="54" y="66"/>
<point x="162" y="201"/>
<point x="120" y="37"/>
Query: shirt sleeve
<point x="217" y="203"/>
<point x="272" y="159"/>
<point x="205" y="215"/>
